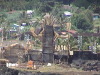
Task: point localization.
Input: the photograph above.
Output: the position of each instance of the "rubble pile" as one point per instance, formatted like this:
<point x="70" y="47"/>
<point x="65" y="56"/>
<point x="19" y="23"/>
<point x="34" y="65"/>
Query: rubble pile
<point x="86" y="65"/>
<point x="92" y="66"/>
<point x="7" y="71"/>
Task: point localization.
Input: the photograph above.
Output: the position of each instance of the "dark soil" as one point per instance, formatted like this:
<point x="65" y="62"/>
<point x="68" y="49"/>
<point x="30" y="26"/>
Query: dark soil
<point x="7" y="71"/>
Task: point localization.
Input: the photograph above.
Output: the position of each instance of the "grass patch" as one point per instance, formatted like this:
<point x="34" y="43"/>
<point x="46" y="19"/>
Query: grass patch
<point x="96" y="22"/>
<point x="14" y="16"/>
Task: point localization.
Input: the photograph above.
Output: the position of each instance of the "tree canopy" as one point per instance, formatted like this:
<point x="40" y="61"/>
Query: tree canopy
<point x="45" y="5"/>
<point x="82" y="21"/>
<point x="91" y="4"/>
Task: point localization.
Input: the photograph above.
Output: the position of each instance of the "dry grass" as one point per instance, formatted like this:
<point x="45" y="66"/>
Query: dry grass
<point x="56" y="68"/>
<point x="53" y="68"/>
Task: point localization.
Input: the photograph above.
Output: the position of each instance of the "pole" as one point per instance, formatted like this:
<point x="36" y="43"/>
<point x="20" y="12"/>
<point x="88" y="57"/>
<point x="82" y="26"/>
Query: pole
<point x="79" y="45"/>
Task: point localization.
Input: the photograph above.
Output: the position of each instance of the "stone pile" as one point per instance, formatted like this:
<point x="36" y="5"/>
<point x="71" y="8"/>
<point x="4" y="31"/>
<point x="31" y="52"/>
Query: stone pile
<point x="86" y="65"/>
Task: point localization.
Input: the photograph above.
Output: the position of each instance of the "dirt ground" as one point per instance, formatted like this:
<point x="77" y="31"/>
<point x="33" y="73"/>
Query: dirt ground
<point x="59" y="70"/>
<point x="80" y="73"/>
<point x="62" y="70"/>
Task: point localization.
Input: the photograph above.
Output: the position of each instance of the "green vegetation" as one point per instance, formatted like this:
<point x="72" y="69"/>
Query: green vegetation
<point x="82" y="20"/>
<point x="81" y="3"/>
<point x="14" y="11"/>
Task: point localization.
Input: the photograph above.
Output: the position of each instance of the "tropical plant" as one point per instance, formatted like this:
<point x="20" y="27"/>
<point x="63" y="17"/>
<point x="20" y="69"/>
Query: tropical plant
<point x="73" y="43"/>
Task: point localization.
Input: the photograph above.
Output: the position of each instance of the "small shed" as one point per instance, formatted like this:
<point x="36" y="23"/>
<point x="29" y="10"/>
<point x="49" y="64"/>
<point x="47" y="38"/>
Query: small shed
<point x="96" y="16"/>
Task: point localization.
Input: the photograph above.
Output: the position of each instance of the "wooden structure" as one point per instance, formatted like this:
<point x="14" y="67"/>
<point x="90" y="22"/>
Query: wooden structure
<point x="48" y="39"/>
<point x="48" y="44"/>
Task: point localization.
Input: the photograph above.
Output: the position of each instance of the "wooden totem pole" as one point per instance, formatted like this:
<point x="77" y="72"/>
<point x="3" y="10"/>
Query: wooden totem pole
<point x="48" y="39"/>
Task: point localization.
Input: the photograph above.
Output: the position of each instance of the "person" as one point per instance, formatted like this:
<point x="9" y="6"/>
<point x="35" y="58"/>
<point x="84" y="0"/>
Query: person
<point x="30" y="64"/>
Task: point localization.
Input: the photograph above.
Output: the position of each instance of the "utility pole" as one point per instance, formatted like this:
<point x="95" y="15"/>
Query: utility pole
<point x="79" y="44"/>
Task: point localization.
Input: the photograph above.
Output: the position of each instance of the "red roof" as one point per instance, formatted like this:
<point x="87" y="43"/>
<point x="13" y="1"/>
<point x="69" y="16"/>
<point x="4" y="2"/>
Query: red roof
<point x="72" y="31"/>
